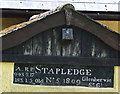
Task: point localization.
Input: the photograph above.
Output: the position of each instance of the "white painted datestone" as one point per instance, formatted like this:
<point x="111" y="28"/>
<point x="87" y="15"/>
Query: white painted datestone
<point x="85" y="5"/>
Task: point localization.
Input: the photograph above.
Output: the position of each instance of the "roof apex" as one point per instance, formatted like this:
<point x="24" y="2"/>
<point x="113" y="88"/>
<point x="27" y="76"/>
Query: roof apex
<point x="35" y="18"/>
<point x="62" y="15"/>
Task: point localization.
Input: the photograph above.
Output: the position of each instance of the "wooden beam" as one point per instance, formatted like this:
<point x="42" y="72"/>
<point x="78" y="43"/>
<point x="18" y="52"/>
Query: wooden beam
<point x="15" y="38"/>
<point x="108" y="36"/>
<point x="84" y="61"/>
<point x="63" y="17"/>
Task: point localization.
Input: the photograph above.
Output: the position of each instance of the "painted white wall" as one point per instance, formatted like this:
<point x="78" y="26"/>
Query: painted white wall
<point x="88" y="5"/>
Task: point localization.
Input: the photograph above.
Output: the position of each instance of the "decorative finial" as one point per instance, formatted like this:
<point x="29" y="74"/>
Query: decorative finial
<point x="68" y="6"/>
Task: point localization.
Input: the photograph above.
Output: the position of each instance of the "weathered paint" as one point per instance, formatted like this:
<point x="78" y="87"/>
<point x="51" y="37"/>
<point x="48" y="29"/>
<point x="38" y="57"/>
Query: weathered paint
<point x="43" y="45"/>
<point x="8" y="86"/>
<point x="114" y="25"/>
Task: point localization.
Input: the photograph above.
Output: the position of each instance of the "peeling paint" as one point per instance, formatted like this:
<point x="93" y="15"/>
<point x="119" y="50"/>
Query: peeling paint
<point x="76" y="51"/>
<point x="49" y="47"/>
<point x="103" y="53"/>
<point x="93" y="49"/>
